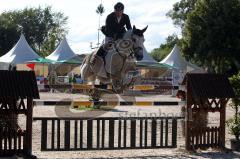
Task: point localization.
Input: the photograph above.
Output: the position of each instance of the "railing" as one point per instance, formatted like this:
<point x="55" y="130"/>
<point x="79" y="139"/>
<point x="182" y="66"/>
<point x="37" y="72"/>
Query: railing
<point x="205" y="137"/>
<point x="11" y="142"/>
<point x="107" y="133"/>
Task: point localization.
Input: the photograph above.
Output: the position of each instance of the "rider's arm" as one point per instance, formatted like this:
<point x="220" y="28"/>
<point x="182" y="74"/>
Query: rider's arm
<point x="109" y="26"/>
<point x="128" y="23"/>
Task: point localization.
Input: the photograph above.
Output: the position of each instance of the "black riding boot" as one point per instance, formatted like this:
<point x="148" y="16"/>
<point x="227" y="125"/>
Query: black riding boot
<point x="101" y="52"/>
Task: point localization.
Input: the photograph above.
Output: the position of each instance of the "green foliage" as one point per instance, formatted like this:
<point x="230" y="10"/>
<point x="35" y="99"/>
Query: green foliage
<point x="42" y="28"/>
<point x="160" y="53"/>
<point x="234" y="123"/>
<point x="180" y="11"/>
<point x="211" y="34"/>
<point x="74" y="80"/>
<point x="235" y="82"/>
<point x="234" y="126"/>
<point x="100" y="9"/>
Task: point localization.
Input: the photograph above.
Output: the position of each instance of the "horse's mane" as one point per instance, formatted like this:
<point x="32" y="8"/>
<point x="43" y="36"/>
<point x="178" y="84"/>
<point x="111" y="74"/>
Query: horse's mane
<point x="128" y="34"/>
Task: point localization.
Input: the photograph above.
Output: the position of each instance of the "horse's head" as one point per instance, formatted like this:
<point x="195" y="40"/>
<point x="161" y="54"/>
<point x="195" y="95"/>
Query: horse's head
<point x="132" y="42"/>
<point x="138" y="40"/>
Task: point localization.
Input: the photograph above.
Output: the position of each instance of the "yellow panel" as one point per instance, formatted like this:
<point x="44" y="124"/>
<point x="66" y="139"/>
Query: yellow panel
<point x="112" y="103"/>
<point x="82" y="103"/>
<point x="143" y="87"/>
<point x="144" y="103"/>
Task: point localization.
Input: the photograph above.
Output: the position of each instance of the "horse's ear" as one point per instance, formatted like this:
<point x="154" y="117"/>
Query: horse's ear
<point x="144" y="29"/>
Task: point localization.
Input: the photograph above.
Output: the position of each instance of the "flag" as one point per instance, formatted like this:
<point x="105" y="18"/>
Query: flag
<point x="31" y="65"/>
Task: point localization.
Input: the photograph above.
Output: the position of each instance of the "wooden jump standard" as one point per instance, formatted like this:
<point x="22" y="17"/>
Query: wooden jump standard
<point x="206" y="93"/>
<point x="18" y="89"/>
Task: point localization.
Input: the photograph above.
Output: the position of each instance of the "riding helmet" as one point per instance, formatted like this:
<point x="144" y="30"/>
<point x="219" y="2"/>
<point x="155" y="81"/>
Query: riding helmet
<point x="119" y="6"/>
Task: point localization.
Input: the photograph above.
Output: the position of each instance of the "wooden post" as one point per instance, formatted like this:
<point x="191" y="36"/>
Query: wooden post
<point x="89" y="134"/>
<point x="154" y="133"/>
<point x="28" y="145"/>
<point x="188" y="118"/>
<point x="67" y="135"/>
<point x="174" y="132"/>
<point x="133" y="134"/>
<point x="222" y="123"/>
<point x="111" y="134"/>
<point x="44" y="135"/>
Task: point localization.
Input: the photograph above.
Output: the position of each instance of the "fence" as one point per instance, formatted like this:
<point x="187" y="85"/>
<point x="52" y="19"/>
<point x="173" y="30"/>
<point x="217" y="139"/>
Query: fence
<point x="11" y="142"/>
<point x="205" y="137"/>
<point x="107" y="133"/>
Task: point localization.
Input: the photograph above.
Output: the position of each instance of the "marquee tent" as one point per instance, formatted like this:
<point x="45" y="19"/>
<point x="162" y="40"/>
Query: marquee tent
<point x="175" y="59"/>
<point x="20" y="53"/>
<point x="182" y="66"/>
<point x="147" y="58"/>
<point x="149" y="62"/>
<point x="62" y="53"/>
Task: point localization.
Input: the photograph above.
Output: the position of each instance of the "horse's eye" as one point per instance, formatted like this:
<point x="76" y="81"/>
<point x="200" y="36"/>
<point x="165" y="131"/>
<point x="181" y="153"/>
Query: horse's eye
<point x="134" y="40"/>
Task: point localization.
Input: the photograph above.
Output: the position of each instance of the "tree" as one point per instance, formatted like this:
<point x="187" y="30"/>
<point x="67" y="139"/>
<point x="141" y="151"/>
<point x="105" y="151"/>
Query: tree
<point x="100" y="10"/>
<point x="9" y="32"/>
<point x="234" y="122"/>
<point x="180" y="11"/>
<point x="42" y="28"/>
<point x="160" y="53"/>
<point x="211" y="34"/>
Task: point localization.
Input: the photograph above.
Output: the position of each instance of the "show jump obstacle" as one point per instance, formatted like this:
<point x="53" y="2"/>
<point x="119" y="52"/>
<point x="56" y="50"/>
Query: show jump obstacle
<point x="18" y="89"/>
<point x="87" y="87"/>
<point x="206" y="93"/>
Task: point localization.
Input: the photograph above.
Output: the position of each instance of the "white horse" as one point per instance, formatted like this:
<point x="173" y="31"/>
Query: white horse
<point x="119" y="60"/>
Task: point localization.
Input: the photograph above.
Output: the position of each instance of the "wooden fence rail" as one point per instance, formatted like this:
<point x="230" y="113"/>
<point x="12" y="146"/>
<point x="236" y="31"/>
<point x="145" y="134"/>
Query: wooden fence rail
<point x="58" y="134"/>
<point x="205" y="137"/>
<point x="11" y="142"/>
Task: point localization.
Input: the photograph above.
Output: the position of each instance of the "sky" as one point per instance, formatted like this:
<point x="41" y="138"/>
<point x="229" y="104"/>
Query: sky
<point x="83" y="19"/>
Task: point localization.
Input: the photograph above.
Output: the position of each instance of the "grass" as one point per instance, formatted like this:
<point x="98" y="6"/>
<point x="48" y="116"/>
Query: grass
<point x="84" y="108"/>
<point x="91" y="108"/>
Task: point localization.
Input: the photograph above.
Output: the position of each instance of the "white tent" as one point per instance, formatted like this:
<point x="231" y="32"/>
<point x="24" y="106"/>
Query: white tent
<point x="19" y="54"/>
<point x="62" y="53"/>
<point x="175" y="60"/>
<point x="147" y="59"/>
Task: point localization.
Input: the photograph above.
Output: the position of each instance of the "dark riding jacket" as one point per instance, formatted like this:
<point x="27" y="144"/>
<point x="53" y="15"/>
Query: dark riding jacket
<point x="114" y="29"/>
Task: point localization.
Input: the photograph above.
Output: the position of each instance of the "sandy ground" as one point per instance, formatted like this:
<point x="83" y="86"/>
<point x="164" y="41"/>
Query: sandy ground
<point x="179" y="152"/>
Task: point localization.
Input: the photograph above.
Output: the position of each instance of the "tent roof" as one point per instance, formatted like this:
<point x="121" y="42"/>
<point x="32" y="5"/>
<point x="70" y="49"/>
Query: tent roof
<point x="63" y="52"/>
<point x="147" y="59"/>
<point x="20" y="53"/>
<point x="78" y="59"/>
<point x="156" y="65"/>
<point x="175" y="59"/>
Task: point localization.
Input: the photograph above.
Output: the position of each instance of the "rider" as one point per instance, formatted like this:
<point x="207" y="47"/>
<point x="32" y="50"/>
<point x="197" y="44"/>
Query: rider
<point x="114" y="28"/>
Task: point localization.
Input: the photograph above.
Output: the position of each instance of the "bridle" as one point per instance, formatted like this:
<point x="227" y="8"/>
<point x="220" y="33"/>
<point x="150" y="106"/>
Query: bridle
<point x="130" y="50"/>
